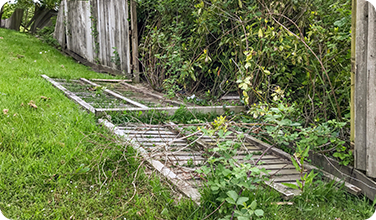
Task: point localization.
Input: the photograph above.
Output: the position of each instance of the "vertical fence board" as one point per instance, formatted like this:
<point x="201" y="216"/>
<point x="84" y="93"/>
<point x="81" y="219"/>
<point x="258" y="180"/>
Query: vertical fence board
<point x="102" y="33"/>
<point x="371" y="96"/>
<point x="88" y="35"/>
<point x="361" y="85"/>
<point x="59" y="33"/>
<point x="135" y="63"/>
<point x="111" y="30"/>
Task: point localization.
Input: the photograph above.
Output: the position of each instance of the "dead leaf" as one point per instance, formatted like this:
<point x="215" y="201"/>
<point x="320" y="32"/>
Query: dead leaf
<point x="62" y="66"/>
<point x="45" y="98"/>
<point x="20" y="56"/>
<point x="22" y="104"/>
<point x="5" y="111"/>
<point x="32" y="104"/>
<point x="61" y="144"/>
<point x="1" y="38"/>
<point x="15" y="115"/>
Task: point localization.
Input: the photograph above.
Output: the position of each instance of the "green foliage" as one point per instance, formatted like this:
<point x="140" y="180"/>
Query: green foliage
<point x="227" y="178"/>
<point x="8" y="10"/>
<point x="286" y="131"/>
<point x="46" y="34"/>
<point x="181" y="116"/>
<point x="220" y="45"/>
<point x="115" y="58"/>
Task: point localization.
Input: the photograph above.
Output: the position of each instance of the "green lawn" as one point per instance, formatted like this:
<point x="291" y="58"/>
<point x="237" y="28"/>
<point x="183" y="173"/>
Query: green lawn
<point x="56" y="163"/>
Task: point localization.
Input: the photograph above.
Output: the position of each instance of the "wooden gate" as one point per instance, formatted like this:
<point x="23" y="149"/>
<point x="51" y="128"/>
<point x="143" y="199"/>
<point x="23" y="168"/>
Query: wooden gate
<point x="96" y="30"/>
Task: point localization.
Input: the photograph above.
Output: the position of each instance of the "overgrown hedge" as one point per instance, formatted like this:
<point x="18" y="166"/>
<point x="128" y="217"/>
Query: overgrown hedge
<point x="255" y="48"/>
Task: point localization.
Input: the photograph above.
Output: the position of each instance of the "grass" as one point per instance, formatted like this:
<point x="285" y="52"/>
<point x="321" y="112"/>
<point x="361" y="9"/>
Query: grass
<point x="56" y="163"/>
<point x="55" y="159"/>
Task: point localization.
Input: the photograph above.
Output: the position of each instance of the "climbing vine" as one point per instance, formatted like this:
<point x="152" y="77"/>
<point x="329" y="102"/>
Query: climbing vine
<point x="94" y="31"/>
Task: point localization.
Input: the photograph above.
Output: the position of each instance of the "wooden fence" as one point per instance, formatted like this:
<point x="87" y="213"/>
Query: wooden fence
<point x="365" y="88"/>
<point x="96" y="30"/>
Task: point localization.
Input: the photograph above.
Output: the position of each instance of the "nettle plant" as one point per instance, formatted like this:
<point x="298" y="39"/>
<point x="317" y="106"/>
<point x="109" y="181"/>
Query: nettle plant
<point x="228" y="178"/>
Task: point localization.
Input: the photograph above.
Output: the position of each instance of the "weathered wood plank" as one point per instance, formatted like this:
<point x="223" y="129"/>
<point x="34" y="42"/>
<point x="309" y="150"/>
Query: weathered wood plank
<point x="135" y="64"/>
<point x="360" y="153"/>
<point x="371" y="94"/>
<point x="71" y="95"/>
<point x="59" y="33"/>
<point x="111" y="80"/>
<point x="157" y="140"/>
<point x="171" y="110"/>
<point x="116" y="95"/>
<point x="148" y="132"/>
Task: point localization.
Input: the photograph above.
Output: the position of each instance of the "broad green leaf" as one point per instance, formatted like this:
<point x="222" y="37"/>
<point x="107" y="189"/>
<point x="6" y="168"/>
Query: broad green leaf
<point x="242" y="200"/>
<point x="226" y="172"/>
<point x="259" y="212"/>
<point x="253" y="205"/>
<point x="232" y="194"/>
<point x="230" y="200"/>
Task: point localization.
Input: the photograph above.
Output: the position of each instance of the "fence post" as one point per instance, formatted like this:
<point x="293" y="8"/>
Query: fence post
<point x="135" y="64"/>
<point x="371" y="93"/>
<point x="352" y="98"/>
<point x="360" y="153"/>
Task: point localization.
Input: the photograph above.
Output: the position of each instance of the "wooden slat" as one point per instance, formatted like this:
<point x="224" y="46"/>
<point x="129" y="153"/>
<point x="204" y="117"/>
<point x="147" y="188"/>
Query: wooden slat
<point x="158" y="140"/>
<point x="181" y="158"/>
<point x="111" y="80"/>
<point x="371" y="94"/>
<point x="173" y="145"/>
<point x="286" y="192"/>
<point x="360" y="153"/>
<point x="71" y="95"/>
<point x="161" y="136"/>
<point x="116" y="95"/>
<point x="171" y="110"/>
<point x="148" y="132"/>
